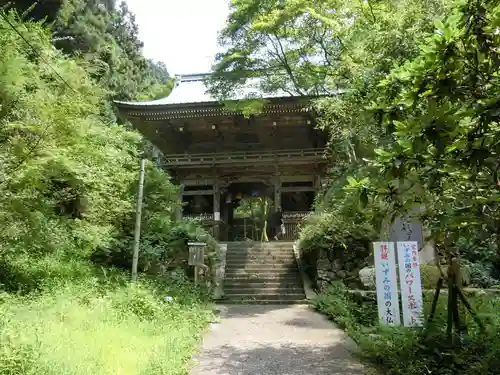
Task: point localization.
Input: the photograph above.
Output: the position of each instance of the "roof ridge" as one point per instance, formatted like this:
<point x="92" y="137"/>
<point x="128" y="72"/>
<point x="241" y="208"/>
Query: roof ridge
<point x="193" y="77"/>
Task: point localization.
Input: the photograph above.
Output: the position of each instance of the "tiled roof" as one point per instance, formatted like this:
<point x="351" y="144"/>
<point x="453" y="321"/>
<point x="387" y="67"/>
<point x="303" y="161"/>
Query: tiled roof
<point x="191" y="88"/>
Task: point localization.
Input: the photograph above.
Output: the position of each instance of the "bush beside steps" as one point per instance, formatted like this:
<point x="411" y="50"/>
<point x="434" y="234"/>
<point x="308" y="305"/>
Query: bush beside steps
<point x="416" y="351"/>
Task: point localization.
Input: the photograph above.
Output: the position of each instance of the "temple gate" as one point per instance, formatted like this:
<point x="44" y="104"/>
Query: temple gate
<point x="220" y="157"/>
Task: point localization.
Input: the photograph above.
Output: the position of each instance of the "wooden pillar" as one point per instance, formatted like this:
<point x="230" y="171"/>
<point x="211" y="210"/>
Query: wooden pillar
<point x="317" y="180"/>
<point x="277" y="192"/>
<point x="178" y="210"/>
<point x="216" y="208"/>
<point x="317" y="183"/>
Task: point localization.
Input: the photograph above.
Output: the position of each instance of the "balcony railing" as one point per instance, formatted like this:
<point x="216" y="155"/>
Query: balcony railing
<point x="241" y="158"/>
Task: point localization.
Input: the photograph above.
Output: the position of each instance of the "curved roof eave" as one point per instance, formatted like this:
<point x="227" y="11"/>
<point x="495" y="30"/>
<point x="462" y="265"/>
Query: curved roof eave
<point x="190" y="91"/>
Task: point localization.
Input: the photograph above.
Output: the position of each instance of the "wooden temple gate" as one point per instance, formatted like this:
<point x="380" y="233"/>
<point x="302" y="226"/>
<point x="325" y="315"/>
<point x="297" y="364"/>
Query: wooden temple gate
<point x="219" y="157"/>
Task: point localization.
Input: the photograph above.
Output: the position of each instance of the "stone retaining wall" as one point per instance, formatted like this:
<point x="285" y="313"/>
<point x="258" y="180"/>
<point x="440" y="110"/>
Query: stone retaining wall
<point x="220" y="270"/>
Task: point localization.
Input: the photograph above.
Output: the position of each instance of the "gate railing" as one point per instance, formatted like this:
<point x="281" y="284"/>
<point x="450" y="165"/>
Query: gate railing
<point x="245" y="228"/>
<point x="292" y="221"/>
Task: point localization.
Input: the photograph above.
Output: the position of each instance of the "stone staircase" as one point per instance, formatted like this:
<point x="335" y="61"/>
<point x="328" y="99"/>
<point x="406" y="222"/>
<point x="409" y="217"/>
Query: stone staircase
<point x="262" y="273"/>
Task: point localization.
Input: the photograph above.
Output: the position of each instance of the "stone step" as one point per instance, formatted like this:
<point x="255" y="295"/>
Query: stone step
<point x="261" y="273"/>
<point x="301" y="301"/>
<point x="257" y="244"/>
<point x="238" y="279"/>
<point x="281" y="245"/>
<point x="257" y="267"/>
<point x="270" y="257"/>
<point x="261" y="258"/>
<point x="263" y="277"/>
<point x="260" y="250"/>
<point x="257" y="264"/>
<point x="264" y="297"/>
<point x="249" y="268"/>
<point x="239" y="264"/>
<point x="276" y="278"/>
<point x="266" y="258"/>
<point x="263" y="291"/>
<point x="272" y="283"/>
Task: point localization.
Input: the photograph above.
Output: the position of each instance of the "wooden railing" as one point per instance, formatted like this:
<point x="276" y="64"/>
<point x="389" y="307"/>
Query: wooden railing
<point x="292" y="220"/>
<point x="303" y="155"/>
<point x="202" y="217"/>
<point x="244" y="229"/>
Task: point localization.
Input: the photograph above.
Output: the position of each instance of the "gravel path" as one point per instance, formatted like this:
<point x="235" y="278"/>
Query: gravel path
<point x="275" y="340"/>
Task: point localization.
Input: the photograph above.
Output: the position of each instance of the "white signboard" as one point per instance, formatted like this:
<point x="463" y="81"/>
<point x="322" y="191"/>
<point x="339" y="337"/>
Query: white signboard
<point x="411" y="286"/>
<point x="387" y="283"/>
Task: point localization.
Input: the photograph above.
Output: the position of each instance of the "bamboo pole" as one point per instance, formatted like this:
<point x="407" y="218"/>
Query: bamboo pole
<point x="138" y="213"/>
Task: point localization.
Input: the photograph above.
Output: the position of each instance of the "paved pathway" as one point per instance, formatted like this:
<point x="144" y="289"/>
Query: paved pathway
<point x="275" y="340"/>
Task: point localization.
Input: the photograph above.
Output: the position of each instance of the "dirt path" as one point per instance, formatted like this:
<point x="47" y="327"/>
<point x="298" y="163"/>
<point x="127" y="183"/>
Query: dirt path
<point x="278" y="340"/>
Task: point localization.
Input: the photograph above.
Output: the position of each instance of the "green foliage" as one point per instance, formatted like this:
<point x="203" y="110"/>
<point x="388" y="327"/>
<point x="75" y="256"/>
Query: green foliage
<point x="345" y="309"/>
<point x="398" y="350"/>
<point x="105" y="37"/>
<point x="68" y="184"/>
<point x="257" y="209"/>
<point x="133" y="329"/>
<point x="345" y="223"/>
<point x="69" y="180"/>
<point x="66" y="175"/>
<point x="444" y="127"/>
<point x="483" y="274"/>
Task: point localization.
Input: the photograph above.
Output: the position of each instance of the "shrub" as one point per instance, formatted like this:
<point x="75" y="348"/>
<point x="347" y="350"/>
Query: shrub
<point x="414" y="351"/>
<point x="481" y="274"/>
<point x="345" y="309"/>
<point x="344" y="225"/>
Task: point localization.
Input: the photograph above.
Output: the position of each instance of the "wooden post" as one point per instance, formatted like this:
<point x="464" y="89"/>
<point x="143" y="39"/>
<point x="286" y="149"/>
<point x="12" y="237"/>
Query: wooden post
<point x="317" y="183"/>
<point x="196" y="258"/>
<point x="216" y="208"/>
<point x="138" y="213"/>
<point x="277" y="192"/>
<point x="178" y="210"/>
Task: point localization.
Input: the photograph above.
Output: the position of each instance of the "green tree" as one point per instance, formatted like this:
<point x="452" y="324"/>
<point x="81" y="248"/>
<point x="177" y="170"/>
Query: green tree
<point x="105" y="36"/>
<point x="69" y="175"/>
<point x="308" y="47"/>
<point x="441" y="111"/>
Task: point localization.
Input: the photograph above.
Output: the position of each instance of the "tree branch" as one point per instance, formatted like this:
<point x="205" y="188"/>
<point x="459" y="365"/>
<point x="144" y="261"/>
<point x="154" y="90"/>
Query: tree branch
<point x="281" y="56"/>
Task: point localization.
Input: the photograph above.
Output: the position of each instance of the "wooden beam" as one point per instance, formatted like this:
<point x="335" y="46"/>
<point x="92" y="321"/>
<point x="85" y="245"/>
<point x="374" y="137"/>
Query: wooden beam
<point x="298" y="178"/>
<point x="197" y="182"/>
<point x="198" y="192"/>
<point x="296" y="189"/>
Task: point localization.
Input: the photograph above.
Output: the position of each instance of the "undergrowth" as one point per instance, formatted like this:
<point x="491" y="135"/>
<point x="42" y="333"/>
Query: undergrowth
<point x="417" y="351"/>
<point x="102" y="324"/>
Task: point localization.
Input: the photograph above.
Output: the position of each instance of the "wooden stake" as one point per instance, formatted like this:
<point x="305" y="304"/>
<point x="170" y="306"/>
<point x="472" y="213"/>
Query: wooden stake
<point x="436" y="298"/>
<point x="138" y="213"/>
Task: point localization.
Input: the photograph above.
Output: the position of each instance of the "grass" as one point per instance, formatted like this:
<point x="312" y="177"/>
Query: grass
<point x="92" y="327"/>
<point x="416" y="351"/>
